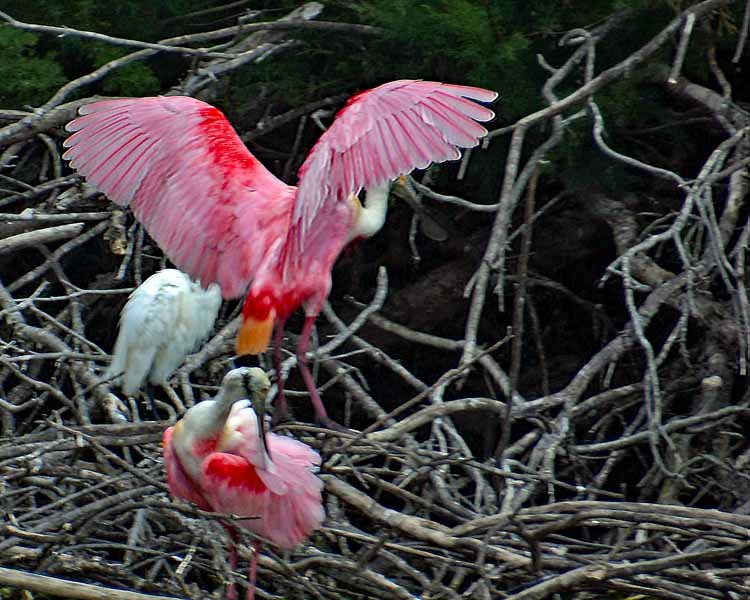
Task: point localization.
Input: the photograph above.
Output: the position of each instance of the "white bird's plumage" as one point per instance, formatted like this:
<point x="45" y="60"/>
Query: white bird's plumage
<point x="166" y="318"/>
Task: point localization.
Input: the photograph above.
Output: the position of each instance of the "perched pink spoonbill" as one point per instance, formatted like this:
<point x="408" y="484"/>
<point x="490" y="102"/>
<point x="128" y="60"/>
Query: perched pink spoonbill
<point x="219" y="458"/>
<point x="222" y="217"/>
<point x="166" y="318"/>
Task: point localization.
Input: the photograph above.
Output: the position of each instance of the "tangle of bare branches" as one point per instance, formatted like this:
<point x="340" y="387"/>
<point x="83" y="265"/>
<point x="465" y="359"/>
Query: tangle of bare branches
<point x="486" y="461"/>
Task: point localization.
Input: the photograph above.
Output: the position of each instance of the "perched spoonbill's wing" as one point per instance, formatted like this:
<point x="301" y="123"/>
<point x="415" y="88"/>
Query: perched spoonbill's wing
<point x="383" y="133"/>
<point x="285" y="495"/>
<point x="240" y="437"/>
<point x="231" y="485"/>
<point x="205" y="199"/>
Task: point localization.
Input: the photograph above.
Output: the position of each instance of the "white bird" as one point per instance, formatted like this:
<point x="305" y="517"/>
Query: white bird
<point x="166" y="318"/>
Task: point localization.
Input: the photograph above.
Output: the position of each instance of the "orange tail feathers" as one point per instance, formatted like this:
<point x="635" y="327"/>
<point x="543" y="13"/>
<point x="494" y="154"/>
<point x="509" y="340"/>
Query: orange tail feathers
<point x="254" y="335"/>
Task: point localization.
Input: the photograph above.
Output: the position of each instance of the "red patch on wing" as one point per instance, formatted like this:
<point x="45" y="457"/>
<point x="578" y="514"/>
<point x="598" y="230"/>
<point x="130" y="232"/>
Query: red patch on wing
<point x="204" y="447"/>
<point x="223" y="143"/>
<point x="233" y="471"/>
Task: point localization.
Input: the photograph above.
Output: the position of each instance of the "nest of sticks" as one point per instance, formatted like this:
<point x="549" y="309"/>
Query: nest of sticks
<point x="627" y="474"/>
<point x="411" y="510"/>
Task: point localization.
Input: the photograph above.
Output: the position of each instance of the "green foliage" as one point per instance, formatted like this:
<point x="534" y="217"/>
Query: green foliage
<point x="134" y="79"/>
<point x="454" y="40"/>
<point x="40" y="64"/>
<point x="28" y="77"/>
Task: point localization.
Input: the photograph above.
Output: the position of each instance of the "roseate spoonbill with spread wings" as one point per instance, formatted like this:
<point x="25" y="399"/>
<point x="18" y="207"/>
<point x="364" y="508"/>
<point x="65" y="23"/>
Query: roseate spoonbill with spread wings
<point x="166" y="318"/>
<point x="222" y="217"/>
<point x="219" y="458"/>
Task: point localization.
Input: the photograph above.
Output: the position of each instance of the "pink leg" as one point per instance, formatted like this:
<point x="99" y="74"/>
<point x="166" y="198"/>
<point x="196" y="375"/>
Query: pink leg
<point x="253" y="571"/>
<point x="320" y="411"/>
<point x="281" y="412"/>
<point x="231" y="588"/>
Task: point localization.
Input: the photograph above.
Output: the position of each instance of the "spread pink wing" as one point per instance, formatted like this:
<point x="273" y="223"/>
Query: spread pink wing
<point x="210" y="205"/>
<point x="383" y="133"/>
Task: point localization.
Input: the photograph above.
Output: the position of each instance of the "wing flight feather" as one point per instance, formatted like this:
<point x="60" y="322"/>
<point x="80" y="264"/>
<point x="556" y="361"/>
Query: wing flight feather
<point x="383" y="133"/>
<point x="190" y="180"/>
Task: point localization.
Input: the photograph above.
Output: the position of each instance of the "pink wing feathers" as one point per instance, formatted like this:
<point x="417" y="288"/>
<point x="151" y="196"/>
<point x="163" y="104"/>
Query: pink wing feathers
<point x="212" y="207"/>
<point x="218" y="213"/>
<point x="286" y="497"/>
<point x="285" y="519"/>
<point x="383" y="133"/>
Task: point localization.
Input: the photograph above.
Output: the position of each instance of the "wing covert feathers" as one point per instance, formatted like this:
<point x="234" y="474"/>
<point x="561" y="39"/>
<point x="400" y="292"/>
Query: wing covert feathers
<point x="188" y="177"/>
<point x="383" y="133"/>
